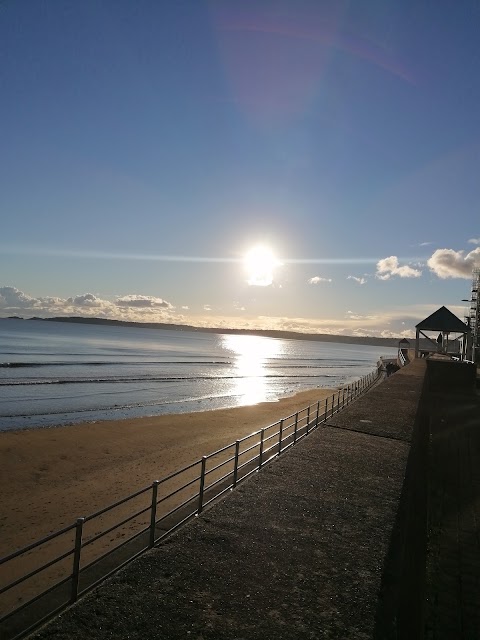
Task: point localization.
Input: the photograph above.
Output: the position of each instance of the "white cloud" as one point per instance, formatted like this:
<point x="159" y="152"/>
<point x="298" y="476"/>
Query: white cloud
<point x="425" y="244"/>
<point x="184" y="307"/>
<point x="474" y="241"/>
<point x="85" y="300"/>
<point x="318" y="279"/>
<point x="134" y="308"/>
<point x="447" y="263"/>
<point x="207" y="307"/>
<point x="142" y="302"/>
<point x="358" y="280"/>
<point x="388" y="267"/>
<point x="11" y="297"/>
<point x="355" y="316"/>
<point x="407" y="333"/>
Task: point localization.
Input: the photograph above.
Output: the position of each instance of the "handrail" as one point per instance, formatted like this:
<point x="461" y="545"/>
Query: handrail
<point x="154" y="525"/>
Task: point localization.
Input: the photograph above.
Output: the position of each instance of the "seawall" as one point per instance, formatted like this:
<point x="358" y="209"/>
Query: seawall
<point x="326" y="542"/>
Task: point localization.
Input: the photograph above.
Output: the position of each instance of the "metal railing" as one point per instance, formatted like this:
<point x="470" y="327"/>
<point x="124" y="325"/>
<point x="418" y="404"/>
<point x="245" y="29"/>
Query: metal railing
<point x="78" y="557"/>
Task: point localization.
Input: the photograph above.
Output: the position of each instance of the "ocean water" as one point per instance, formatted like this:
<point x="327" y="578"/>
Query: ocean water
<point x="55" y="373"/>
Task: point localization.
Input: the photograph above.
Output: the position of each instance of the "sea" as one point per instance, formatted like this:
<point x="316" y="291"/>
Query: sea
<point x="58" y="373"/>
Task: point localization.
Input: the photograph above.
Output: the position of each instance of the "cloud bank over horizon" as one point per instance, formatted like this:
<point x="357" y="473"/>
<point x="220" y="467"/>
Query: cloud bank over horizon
<point x="135" y="308"/>
<point x="393" y="323"/>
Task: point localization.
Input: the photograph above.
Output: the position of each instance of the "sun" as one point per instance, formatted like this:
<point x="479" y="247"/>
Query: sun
<point x="260" y="264"/>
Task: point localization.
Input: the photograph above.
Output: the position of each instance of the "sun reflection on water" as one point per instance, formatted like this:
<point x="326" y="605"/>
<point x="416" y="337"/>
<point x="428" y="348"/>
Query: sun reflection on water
<point x="251" y="355"/>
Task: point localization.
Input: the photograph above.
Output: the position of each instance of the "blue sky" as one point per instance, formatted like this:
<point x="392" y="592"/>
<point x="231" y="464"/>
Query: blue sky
<point x="148" y="146"/>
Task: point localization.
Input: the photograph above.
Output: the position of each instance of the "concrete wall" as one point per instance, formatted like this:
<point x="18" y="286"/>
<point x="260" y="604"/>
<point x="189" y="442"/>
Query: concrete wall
<point x="451" y="376"/>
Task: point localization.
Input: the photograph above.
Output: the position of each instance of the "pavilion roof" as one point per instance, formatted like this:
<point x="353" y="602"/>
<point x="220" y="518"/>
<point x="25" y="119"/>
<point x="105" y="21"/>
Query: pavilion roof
<point x="443" y="320"/>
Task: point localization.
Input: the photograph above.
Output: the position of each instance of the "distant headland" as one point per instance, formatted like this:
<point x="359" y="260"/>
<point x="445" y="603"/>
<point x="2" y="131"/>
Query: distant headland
<point x="269" y="333"/>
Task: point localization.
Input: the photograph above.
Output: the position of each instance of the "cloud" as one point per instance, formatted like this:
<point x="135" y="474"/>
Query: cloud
<point x="136" y="308"/>
<point x="142" y="302"/>
<point x="407" y="333"/>
<point x="318" y="279"/>
<point x="85" y="300"/>
<point x="184" y="307"/>
<point x="358" y="280"/>
<point x="388" y="267"/>
<point x="207" y="307"/>
<point x="425" y="244"/>
<point x="474" y="241"/>
<point x="355" y="316"/>
<point x="11" y="297"/>
<point x="447" y="263"/>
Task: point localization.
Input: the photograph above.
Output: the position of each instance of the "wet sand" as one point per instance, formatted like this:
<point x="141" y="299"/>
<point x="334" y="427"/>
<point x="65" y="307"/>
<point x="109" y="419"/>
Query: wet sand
<point x="51" y="476"/>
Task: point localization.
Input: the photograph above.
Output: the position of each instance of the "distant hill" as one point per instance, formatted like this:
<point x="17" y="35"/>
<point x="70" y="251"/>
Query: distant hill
<point x="271" y="333"/>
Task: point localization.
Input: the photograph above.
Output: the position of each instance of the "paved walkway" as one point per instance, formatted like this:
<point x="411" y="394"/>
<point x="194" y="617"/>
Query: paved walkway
<point x="453" y="560"/>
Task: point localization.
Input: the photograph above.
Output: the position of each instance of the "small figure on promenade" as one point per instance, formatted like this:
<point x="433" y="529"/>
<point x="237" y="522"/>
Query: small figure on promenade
<point x="391" y="368"/>
<point x="439" y="342"/>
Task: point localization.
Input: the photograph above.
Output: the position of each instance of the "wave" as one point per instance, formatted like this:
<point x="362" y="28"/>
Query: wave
<point x="120" y="408"/>
<point x="106" y="363"/>
<point x="117" y="380"/>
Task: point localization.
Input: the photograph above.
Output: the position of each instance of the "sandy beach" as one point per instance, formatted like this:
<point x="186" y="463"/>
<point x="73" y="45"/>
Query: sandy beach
<point x="51" y="476"/>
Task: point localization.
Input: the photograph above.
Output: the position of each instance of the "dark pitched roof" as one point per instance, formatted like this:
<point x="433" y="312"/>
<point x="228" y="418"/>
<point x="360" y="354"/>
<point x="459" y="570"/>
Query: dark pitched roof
<point x="443" y="320"/>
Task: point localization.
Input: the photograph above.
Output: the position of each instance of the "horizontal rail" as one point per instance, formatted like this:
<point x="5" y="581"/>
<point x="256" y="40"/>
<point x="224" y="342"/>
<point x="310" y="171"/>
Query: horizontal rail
<point x="38" y="543"/>
<point x="117" y="504"/>
<point x="36" y="571"/>
<point x="115" y="526"/>
<point x="113" y="549"/>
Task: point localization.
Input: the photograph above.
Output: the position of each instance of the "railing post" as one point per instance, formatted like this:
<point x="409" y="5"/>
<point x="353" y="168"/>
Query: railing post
<point x="333" y="405"/>
<point x="343" y="397"/>
<point x="235" y="468"/>
<point x="280" y="435"/>
<point x="295" y="428"/>
<point x="318" y="413"/>
<point x="308" y="417"/>
<point x="260" y="458"/>
<point x="338" y="402"/>
<point x="153" y="513"/>
<point x="76" y="559"/>
<point x="326" y="410"/>
<point x="202" y="485"/>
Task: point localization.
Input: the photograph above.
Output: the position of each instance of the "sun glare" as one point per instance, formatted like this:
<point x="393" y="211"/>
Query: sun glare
<point x="260" y="264"/>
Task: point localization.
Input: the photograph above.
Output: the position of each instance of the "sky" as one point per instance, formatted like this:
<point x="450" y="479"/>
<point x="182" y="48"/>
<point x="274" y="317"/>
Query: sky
<point x="300" y="165"/>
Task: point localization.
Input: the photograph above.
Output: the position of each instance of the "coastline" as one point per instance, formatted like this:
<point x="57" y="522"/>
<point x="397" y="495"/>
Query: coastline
<point x="51" y="476"/>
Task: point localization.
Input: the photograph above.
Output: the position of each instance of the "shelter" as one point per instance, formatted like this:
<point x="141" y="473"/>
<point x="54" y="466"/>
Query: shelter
<point x="444" y="322"/>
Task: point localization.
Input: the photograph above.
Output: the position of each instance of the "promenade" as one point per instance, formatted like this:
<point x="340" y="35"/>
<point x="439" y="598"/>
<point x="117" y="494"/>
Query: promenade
<point x="330" y="541"/>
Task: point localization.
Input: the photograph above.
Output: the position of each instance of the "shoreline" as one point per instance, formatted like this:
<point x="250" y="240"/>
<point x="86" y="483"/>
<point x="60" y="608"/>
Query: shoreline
<point x="51" y="476"/>
<point x="91" y="421"/>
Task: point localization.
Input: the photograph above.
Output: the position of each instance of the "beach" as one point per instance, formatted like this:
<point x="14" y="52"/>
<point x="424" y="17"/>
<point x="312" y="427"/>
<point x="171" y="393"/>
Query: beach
<point x="51" y="476"/>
